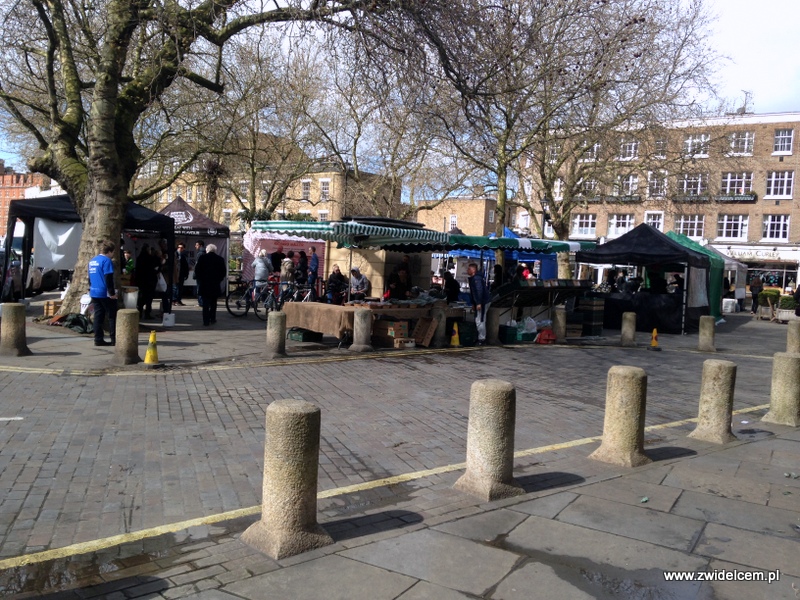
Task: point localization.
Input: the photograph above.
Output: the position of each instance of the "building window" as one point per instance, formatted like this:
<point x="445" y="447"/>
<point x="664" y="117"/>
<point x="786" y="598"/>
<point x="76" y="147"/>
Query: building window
<point x="660" y="149"/>
<point x="779" y="184"/>
<point x="690" y="225"/>
<point x="696" y="145"/>
<point x="693" y="184"/>
<point x="655" y="219"/>
<point x="591" y="153"/>
<point x="188" y="193"/>
<point x="226" y="217"/>
<point x="783" y="141"/>
<point x="776" y="228"/>
<point x="628" y="149"/>
<point x="323" y="216"/>
<point x="552" y="153"/>
<point x="453" y="222"/>
<point x="523" y="220"/>
<point x="588" y="188"/>
<point x="732" y="227"/>
<point x="619" y="224"/>
<point x="736" y="183"/>
<point x="305" y="191"/>
<point x="491" y="216"/>
<point x="324" y="190"/>
<point x="244" y="186"/>
<point x="199" y="194"/>
<point x="742" y="143"/>
<point x="657" y="184"/>
<point x="228" y="196"/>
<point x="169" y="194"/>
<point x="628" y="185"/>
<point x="584" y="225"/>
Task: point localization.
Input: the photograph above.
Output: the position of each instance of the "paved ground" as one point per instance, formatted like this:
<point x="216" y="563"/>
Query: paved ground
<point x="125" y="483"/>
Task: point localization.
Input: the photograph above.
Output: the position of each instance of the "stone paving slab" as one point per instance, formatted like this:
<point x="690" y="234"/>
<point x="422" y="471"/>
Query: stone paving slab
<point x="535" y="581"/>
<point x="484" y="527"/>
<point x="441" y="559"/>
<point x="423" y="590"/>
<point x="758" y="550"/>
<point x="634" y="522"/>
<point x="546" y="506"/>
<point x="634" y="492"/>
<point x="752" y="590"/>
<point x="686" y="477"/>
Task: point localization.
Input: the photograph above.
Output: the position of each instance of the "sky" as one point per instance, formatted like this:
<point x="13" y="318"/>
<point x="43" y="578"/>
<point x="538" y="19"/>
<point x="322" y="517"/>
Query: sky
<point x="759" y="37"/>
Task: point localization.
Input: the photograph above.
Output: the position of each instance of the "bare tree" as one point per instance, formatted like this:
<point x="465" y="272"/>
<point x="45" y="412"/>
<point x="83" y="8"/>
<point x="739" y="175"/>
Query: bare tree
<point x="79" y="77"/>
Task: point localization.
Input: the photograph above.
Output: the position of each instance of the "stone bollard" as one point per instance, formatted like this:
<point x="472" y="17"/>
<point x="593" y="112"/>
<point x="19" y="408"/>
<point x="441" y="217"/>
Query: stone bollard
<point x="126" y="349"/>
<point x="493" y="326"/>
<point x="288" y="524"/>
<point x="623" y="427"/>
<point x="784" y="398"/>
<point x="716" y="402"/>
<point x="12" y="331"/>
<point x="362" y="330"/>
<point x="628" y="337"/>
<point x="440" y="337"/>
<point x="560" y="323"/>
<point x="793" y="337"/>
<point x="490" y="441"/>
<point x="276" y="335"/>
<point x="707" y="331"/>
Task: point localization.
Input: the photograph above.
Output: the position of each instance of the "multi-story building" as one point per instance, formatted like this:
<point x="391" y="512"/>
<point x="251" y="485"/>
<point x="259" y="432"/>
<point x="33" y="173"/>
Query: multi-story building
<point x="728" y="182"/>
<point x="473" y="215"/>
<point x="13" y="186"/>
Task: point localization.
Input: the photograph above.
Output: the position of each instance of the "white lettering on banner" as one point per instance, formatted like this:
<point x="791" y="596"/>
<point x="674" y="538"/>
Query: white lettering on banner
<point x="182" y="217"/>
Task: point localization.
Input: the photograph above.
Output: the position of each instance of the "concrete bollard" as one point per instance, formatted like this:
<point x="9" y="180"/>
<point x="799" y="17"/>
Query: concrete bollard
<point x="560" y="323"/>
<point x="784" y="398"/>
<point x="793" y="337"/>
<point x="362" y="330"/>
<point x="440" y="337"/>
<point x="126" y="350"/>
<point x="288" y="524"/>
<point x="628" y="336"/>
<point x="493" y="326"/>
<point x="716" y="402"/>
<point x="707" y="331"/>
<point x="623" y="427"/>
<point x="490" y="441"/>
<point x="276" y="335"/>
<point x="12" y="331"/>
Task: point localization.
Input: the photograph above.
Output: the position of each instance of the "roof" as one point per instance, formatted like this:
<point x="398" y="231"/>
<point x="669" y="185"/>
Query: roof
<point x="190" y="221"/>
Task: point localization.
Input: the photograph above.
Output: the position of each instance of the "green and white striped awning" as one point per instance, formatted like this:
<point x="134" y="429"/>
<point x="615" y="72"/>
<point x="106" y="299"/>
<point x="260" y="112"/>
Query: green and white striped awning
<point x="353" y="233"/>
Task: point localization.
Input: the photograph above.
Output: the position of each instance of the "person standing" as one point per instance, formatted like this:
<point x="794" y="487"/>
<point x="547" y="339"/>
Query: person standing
<point x="479" y="294"/>
<point x="756" y="287"/>
<point x="181" y="274"/>
<point x="199" y="250"/>
<point x="276" y="258"/>
<point x="103" y="294"/>
<point x="313" y="266"/>
<point x="146" y="279"/>
<point x="210" y="271"/>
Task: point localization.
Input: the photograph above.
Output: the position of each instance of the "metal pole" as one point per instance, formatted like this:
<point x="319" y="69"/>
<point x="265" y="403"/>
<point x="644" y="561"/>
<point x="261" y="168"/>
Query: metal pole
<point x="685" y="296"/>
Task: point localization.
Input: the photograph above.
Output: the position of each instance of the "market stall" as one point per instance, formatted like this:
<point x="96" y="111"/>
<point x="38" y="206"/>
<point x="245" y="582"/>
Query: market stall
<point x="647" y="247"/>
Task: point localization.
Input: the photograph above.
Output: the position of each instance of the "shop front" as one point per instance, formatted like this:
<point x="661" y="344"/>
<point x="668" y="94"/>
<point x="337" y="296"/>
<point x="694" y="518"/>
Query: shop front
<point x="776" y="266"/>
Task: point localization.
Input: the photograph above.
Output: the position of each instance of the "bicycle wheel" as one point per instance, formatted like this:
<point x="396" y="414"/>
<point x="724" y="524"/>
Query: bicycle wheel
<point x="310" y="295"/>
<point x="260" y="306"/>
<point x="238" y="302"/>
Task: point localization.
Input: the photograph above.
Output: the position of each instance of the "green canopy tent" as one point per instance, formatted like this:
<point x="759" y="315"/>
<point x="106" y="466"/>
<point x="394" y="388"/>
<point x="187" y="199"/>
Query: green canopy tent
<point x="716" y="271"/>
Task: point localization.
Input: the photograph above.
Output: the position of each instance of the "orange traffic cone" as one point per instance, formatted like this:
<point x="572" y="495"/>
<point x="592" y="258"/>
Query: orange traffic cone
<point x="654" y="341"/>
<point x="455" y="342"/>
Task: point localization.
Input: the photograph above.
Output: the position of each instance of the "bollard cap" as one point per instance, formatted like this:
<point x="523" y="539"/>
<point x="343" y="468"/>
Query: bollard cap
<point x="293" y="406"/>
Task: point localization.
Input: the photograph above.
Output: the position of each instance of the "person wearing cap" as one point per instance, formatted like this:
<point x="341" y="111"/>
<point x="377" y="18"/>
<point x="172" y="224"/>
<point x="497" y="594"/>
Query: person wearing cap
<point x="359" y="284"/>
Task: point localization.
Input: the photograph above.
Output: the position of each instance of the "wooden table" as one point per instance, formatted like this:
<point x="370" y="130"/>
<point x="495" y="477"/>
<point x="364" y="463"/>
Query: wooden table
<point x="331" y="319"/>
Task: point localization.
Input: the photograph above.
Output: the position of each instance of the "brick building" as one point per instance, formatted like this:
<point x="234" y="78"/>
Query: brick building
<point x="728" y="182"/>
<point x="13" y="186"/>
<point x="472" y="215"/>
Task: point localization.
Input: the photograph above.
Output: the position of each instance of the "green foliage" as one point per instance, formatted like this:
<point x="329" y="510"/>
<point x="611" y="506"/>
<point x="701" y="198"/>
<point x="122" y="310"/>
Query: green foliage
<point x="787" y="302"/>
<point x="773" y="294"/>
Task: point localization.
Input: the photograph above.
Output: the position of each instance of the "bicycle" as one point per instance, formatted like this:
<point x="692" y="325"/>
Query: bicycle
<point x="298" y="293"/>
<point x="261" y="298"/>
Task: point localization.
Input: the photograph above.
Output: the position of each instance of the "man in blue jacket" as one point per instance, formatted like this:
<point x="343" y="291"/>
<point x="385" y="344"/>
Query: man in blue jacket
<point x="479" y="294"/>
<point x="103" y="294"/>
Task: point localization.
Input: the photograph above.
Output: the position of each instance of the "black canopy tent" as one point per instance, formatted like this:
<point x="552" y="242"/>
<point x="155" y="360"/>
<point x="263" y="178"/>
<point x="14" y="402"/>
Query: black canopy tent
<point x="60" y="209"/>
<point x="646" y="246"/>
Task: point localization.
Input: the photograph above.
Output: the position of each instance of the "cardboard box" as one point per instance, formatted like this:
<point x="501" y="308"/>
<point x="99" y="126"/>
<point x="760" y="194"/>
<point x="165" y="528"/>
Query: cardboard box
<point x="424" y="331"/>
<point x="51" y="307"/>
<point x="404" y="343"/>
<point x="386" y="328"/>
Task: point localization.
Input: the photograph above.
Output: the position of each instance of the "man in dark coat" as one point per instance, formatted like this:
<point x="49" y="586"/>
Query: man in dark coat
<point x="209" y="272"/>
<point x="479" y="294"/>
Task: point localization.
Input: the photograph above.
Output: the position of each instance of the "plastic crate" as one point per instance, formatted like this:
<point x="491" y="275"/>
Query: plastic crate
<point x="507" y="334"/>
<point x="304" y="335"/>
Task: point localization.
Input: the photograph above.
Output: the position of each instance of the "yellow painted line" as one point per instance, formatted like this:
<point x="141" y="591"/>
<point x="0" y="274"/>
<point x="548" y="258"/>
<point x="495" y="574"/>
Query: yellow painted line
<point x="97" y="545"/>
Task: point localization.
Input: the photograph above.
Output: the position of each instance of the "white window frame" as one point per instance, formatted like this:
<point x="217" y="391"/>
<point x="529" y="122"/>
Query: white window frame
<point x="775" y="224"/>
<point x="588" y="188"/>
<point x="227" y="215"/>
<point x="524" y="220"/>
<point x="548" y="230"/>
<point x="323" y="216"/>
<point x="692" y="226"/>
<point x="628" y="185"/>
<point x="655" y="218"/>
<point x="660" y="148"/>
<point x="244" y="187"/>
<point x="228" y="196"/>
<point x="305" y="190"/>
<point x="732" y="228"/>
<point x="199" y="192"/>
<point x="696" y="145"/>
<point x="324" y="190"/>
<point x="742" y="143"/>
<point x="783" y="142"/>
<point x="629" y="149"/>
<point x="491" y="216"/>
<point x="620" y="224"/>
<point x="693" y="184"/>
<point x="733" y="184"/>
<point x="780" y="185"/>
<point x="453" y="222"/>
<point x="591" y="153"/>
<point x="657" y="184"/>
<point x="584" y="225"/>
<point x="189" y="193"/>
